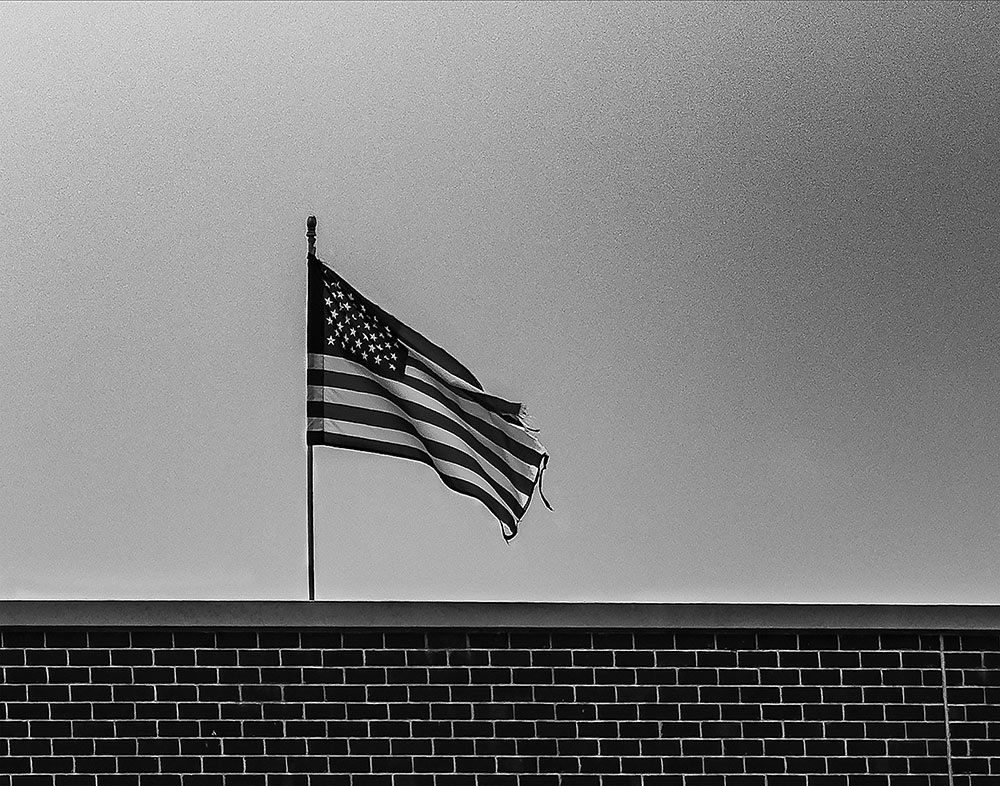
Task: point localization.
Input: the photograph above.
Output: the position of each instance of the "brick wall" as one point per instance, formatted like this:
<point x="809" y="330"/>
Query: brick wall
<point x="404" y="704"/>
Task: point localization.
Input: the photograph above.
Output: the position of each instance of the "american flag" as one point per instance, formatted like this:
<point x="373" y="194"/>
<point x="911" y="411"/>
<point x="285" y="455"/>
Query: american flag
<point x="376" y="385"/>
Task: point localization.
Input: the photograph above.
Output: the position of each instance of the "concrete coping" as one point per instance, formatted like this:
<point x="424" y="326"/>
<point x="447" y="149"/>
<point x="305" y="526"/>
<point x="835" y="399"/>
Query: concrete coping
<point x="491" y="615"/>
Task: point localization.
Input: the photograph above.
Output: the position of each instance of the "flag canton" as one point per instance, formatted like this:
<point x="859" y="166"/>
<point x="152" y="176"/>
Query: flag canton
<point x="354" y="329"/>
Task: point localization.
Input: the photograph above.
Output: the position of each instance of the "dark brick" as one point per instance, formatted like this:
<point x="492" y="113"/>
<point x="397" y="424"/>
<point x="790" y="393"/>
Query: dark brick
<point x="701" y="747"/>
<point x="618" y="747"/>
<point x="232" y="764"/>
<point x="27" y="711"/>
<point x="70" y="747"/>
<point x="756" y="659"/>
<point x="285" y="747"/>
<point x="328" y="747"/>
<point x="741" y="712"/>
<point x="818" y="641"/>
<point x="742" y="747"/>
<point x="720" y="729"/>
<point x="46" y="657"/>
<point x="260" y="693"/>
<point x="715" y="658"/>
<point x="839" y="660"/>
<point x="133" y="693"/>
<point x="470" y="764"/>
<point x="811" y="765"/>
<point x="784" y="747"/>
<point x="345" y="728"/>
<point x="137" y="764"/>
<point x="684" y="764"/>
<point x="761" y="729"/>
<point x="887" y="765"/>
<point x="890" y="695"/>
<point x="939" y="765"/>
<point x="104" y="765"/>
<point x="826" y="747"/>
<point x="760" y="695"/>
<point x="980" y="641"/>
<point x="843" y="695"/>
<point x="736" y="641"/>
<point x="801" y="695"/>
<point x="158" y="747"/>
<point x="781" y="711"/>
<point x="238" y="711"/>
<point x="389" y="728"/>
<point x="534" y="711"/>
<point x="779" y="677"/>
<point x="198" y="711"/>
<point x="557" y="693"/>
<point x="68" y="675"/>
<point x="51" y="764"/>
<point x="694" y="641"/>
<point x="26" y="675"/>
<point x="679" y="729"/>
<point x="635" y="694"/>
<point x="921" y="660"/>
<point x="30" y="747"/>
<point x="924" y="730"/>
<point x="131" y="657"/>
<point x="505" y="658"/>
<point x="408" y="711"/>
<point x="108" y="639"/>
<point x="449" y="711"/>
<point x="634" y="658"/>
<point x="804" y="730"/>
<point x="606" y="765"/>
<point x="442" y="747"/>
<point x="410" y="747"/>
<point x="11" y="657"/>
<point x="700" y="712"/>
<point x="906" y="748"/>
<point x="738" y="677"/>
<point x="321" y="764"/>
<point x="614" y="676"/>
<point x="468" y="657"/>
<point x="264" y="764"/>
<point x="798" y="660"/>
<point x="870" y="712"/>
<point x="48" y="693"/>
<point x="676" y="658"/>
<point x="574" y="676"/>
<point x="22" y="639"/>
<point x="724" y="764"/>
<point x="657" y="676"/>
<point x="653" y="640"/>
<point x="554" y="729"/>
<point x="639" y="764"/>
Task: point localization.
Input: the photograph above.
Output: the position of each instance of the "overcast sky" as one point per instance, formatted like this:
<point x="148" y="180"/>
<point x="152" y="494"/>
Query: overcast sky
<point x="739" y="261"/>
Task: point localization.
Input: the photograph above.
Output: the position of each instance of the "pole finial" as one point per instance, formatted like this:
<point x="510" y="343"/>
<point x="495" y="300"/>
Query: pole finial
<point x="311" y="234"/>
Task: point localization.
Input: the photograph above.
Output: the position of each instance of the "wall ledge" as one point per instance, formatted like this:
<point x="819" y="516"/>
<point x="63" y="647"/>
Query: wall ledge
<point x="472" y="615"/>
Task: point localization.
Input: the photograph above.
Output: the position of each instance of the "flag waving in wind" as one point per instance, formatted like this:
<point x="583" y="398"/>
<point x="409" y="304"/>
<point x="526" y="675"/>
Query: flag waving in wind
<point x="376" y="385"/>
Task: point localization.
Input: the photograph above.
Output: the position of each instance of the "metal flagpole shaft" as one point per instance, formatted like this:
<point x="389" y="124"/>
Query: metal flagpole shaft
<point x="311" y="239"/>
<point x="312" y="558"/>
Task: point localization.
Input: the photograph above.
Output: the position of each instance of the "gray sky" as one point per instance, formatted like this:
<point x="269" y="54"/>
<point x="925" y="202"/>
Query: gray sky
<point x="739" y="261"/>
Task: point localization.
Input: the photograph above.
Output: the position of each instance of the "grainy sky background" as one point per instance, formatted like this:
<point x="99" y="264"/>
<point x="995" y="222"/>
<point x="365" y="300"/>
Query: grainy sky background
<point x="740" y="262"/>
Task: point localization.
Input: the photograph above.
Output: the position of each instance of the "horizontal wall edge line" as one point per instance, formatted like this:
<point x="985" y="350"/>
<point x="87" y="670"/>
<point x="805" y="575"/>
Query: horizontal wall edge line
<point x="478" y="614"/>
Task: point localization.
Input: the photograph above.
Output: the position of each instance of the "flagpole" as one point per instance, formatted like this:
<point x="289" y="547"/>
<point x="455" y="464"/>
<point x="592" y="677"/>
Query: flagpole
<point x="311" y="240"/>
